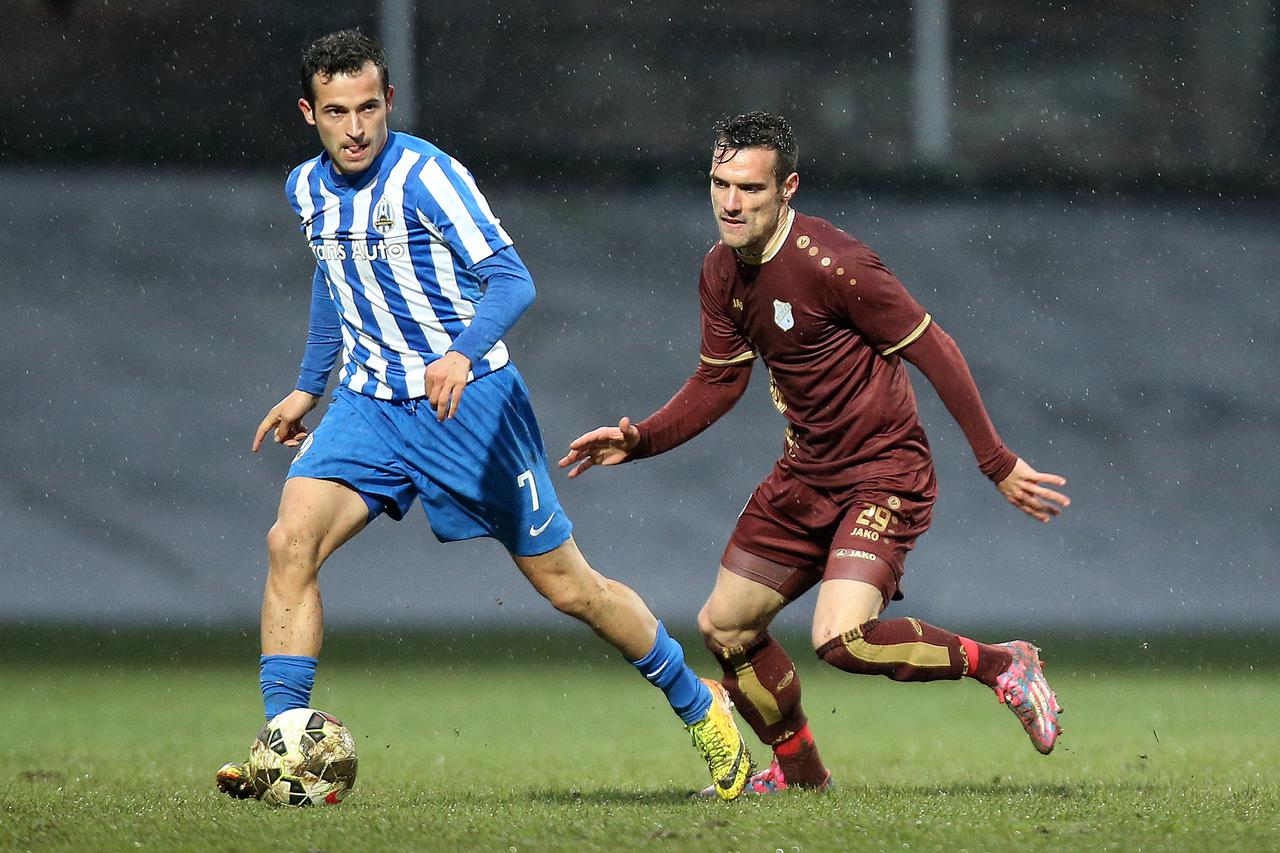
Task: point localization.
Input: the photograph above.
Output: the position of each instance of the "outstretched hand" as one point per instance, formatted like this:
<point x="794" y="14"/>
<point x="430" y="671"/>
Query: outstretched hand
<point x="285" y="418"/>
<point x="1025" y="488"/>
<point x="603" y="446"/>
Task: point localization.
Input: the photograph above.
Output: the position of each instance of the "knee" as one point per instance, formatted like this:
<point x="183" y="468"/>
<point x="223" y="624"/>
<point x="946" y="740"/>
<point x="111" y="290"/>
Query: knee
<point x="568" y="583"/>
<point x="832" y="647"/>
<point x="852" y="611"/>
<point x="572" y="596"/>
<point x="293" y="553"/>
<point x="705" y="625"/>
<point x="568" y="601"/>
<point x="720" y="627"/>
<point x="826" y="649"/>
<point x="823" y="637"/>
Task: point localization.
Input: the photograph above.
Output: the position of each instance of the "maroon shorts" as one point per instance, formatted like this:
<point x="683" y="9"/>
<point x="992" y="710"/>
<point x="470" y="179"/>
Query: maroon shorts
<point x="791" y="535"/>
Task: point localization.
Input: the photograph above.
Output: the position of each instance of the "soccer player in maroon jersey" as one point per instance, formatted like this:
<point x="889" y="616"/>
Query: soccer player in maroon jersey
<point x="855" y="485"/>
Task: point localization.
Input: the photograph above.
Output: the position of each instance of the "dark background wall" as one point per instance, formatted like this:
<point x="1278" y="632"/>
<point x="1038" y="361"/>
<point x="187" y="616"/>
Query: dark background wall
<point x="1100" y="240"/>
<point x="1126" y="94"/>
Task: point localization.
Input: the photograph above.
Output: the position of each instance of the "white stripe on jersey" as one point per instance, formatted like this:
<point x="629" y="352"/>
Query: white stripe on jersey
<point x="389" y="331"/>
<point x="406" y="278"/>
<point x="442" y="260"/>
<point x="312" y="227"/>
<point x="302" y="192"/>
<point x="376" y="362"/>
<point x="358" y="376"/>
<point x="346" y="303"/>
<point x="498" y="356"/>
<point x="473" y="241"/>
<point x="481" y="201"/>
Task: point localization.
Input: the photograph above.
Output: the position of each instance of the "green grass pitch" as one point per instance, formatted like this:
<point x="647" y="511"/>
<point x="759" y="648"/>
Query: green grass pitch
<point x="548" y="741"/>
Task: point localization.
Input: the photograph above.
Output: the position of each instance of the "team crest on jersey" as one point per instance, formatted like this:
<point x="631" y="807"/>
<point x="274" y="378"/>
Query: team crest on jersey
<point x="384" y="218"/>
<point x="782" y="315"/>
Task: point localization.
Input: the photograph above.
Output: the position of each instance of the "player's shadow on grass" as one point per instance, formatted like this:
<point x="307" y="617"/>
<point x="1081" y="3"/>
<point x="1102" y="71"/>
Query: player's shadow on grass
<point x="610" y="796"/>
<point x="1004" y="788"/>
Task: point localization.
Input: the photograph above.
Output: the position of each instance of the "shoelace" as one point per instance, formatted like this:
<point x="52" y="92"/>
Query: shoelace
<point x="1012" y="686"/>
<point x="1014" y="689"/>
<point x="716" y="746"/>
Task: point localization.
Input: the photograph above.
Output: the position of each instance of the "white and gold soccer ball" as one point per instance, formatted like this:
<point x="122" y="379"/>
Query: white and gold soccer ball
<point x="303" y="757"/>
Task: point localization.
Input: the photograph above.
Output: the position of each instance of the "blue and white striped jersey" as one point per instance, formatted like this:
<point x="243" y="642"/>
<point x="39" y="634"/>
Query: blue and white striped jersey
<point x="396" y="245"/>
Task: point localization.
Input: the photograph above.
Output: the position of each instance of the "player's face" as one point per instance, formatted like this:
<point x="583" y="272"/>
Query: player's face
<point x="350" y="113"/>
<point x="747" y="200"/>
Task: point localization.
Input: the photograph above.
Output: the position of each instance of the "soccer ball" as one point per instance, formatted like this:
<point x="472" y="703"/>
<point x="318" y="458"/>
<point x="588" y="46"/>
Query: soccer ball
<point x="303" y="757"/>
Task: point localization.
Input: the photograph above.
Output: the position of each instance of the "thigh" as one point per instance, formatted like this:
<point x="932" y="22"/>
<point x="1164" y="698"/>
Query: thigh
<point x="877" y="529"/>
<point x="484" y="472"/>
<point x="318" y="516"/>
<point x="783" y="535"/>
<point x="842" y="606"/>
<point x="354" y="445"/>
<point x="739" y="608"/>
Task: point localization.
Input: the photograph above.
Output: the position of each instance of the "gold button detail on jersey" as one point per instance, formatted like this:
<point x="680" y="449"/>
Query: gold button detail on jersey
<point x="839" y="270"/>
<point x="826" y="262"/>
<point x="802" y="242"/>
<point x="852" y="282"/>
<point x="813" y="250"/>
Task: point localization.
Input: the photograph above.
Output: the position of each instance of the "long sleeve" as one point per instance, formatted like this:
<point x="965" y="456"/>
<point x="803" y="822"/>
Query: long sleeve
<point x="508" y="292"/>
<point x="705" y="398"/>
<point x="324" y="339"/>
<point x="940" y="360"/>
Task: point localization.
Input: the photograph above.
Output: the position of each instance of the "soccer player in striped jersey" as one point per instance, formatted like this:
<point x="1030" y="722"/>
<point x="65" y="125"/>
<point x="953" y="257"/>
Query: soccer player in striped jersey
<point x="415" y="284"/>
<point x="855" y="485"/>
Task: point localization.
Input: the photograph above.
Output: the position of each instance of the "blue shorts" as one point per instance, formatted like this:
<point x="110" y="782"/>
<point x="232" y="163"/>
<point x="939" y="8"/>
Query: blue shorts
<point x="483" y="472"/>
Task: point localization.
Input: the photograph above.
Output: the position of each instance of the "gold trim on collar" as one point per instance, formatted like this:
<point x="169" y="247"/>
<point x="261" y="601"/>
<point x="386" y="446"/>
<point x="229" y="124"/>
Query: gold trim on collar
<point x="775" y="243"/>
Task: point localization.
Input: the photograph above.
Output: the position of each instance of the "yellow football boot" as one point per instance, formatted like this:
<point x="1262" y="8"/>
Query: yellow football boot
<point x="716" y="736"/>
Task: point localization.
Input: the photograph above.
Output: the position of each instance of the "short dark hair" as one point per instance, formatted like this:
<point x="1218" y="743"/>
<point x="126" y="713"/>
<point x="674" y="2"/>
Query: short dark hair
<point x="758" y="130"/>
<point x="343" y="52"/>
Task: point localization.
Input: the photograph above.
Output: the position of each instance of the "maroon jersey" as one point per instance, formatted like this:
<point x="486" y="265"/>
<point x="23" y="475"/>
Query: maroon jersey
<point x="826" y="318"/>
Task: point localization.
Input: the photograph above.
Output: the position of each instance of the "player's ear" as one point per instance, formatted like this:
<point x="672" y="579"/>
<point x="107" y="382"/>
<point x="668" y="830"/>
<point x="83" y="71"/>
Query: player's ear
<point x="790" y="185"/>
<point x="307" y="113"/>
<point x="391" y="93"/>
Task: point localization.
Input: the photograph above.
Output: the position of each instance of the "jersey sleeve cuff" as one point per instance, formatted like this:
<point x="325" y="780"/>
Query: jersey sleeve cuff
<point x="643" y="448"/>
<point x="911" y="338"/>
<point x="1000" y="465"/>
<point x="737" y="359"/>
<point x="312" y="382"/>
<point x="468" y="352"/>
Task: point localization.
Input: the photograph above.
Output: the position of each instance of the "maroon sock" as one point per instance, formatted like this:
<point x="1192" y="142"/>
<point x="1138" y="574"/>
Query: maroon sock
<point x="986" y="662"/>
<point x="762" y="681"/>
<point x="910" y="650"/>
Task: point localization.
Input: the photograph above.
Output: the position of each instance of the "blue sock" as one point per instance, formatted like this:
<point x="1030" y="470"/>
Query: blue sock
<point x="286" y="682"/>
<point x="665" y="668"/>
